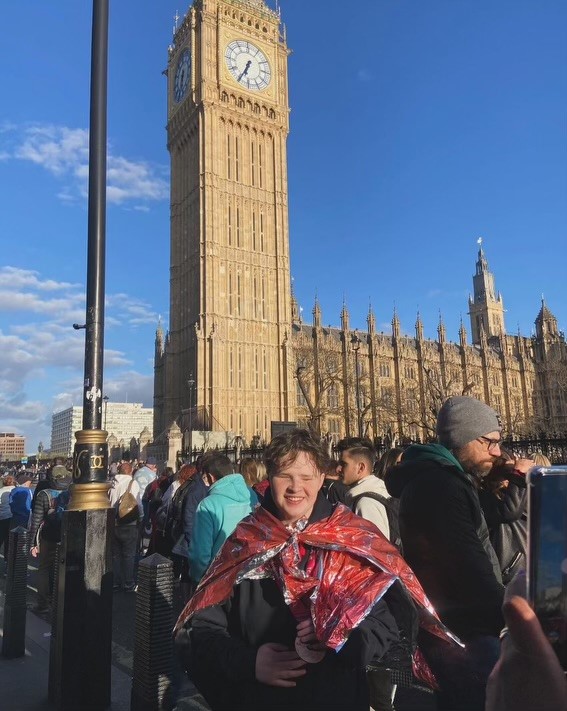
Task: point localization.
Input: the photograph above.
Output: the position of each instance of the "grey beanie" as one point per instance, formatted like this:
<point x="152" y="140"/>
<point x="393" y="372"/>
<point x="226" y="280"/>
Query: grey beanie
<point x="462" y="419"/>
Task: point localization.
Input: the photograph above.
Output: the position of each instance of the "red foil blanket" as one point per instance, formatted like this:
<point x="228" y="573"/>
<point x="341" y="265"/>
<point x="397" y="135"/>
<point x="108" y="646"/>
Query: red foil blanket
<point x="350" y="567"/>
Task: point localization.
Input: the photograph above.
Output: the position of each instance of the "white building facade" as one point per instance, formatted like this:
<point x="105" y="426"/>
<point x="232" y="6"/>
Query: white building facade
<point x="123" y="421"/>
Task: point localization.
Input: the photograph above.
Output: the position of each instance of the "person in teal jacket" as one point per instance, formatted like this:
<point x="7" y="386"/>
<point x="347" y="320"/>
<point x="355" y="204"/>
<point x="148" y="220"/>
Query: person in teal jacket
<point x="228" y="501"/>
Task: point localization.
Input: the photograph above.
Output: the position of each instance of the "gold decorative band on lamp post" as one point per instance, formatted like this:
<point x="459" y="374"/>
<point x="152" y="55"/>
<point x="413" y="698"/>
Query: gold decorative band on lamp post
<point x="90" y="465"/>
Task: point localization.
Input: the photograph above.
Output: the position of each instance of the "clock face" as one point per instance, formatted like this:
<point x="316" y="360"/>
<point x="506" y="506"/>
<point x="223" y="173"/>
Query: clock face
<point x="248" y="65"/>
<point x="182" y="76"/>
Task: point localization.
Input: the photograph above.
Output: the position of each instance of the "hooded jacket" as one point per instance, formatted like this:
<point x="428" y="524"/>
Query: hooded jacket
<point x="445" y="540"/>
<point x="229" y="500"/>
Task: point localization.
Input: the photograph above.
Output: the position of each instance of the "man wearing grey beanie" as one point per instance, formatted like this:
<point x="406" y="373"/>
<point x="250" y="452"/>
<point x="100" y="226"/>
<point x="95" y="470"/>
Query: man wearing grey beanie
<point x="446" y="543"/>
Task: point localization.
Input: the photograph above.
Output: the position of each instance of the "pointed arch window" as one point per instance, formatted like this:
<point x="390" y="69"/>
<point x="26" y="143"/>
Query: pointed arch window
<point x="228" y="156"/>
<point x="254" y="230"/>
<point x="238" y="295"/>
<point x="261" y="232"/>
<point x="237" y="158"/>
<point x="238" y="227"/>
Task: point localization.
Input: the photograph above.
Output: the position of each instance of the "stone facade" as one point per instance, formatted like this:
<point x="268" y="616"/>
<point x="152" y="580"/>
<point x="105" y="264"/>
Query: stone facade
<point x="237" y="356"/>
<point x="392" y="385"/>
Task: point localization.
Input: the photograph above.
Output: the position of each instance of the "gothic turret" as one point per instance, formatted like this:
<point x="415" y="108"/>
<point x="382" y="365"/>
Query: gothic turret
<point x="546" y="324"/>
<point x="316" y="314"/>
<point x="462" y="335"/>
<point x="486" y="307"/>
<point x="344" y="318"/>
<point x="159" y="342"/>
<point x="419" y="327"/>
<point x="441" y="330"/>
<point x="295" y="313"/>
<point x="371" y="320"/>
<point x="395" y="325"/>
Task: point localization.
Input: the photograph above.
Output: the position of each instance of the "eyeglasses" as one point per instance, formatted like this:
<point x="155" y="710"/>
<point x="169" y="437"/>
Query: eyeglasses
<point x="492" y="444"/>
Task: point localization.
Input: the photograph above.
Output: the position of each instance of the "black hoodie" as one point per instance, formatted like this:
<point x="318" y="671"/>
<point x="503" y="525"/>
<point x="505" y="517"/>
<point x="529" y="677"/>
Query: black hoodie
<point x="445" y="540"/>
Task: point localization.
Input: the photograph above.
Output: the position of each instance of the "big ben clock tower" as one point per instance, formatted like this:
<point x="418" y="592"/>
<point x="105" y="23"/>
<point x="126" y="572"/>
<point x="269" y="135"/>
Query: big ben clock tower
<point x="224" y="363"/>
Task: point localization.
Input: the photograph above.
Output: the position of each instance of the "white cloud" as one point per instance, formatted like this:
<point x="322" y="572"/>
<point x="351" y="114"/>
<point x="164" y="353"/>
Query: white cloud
<point x="131" y="386"/>
<point x="42" y="357"/>
<point x="64" y="152"/>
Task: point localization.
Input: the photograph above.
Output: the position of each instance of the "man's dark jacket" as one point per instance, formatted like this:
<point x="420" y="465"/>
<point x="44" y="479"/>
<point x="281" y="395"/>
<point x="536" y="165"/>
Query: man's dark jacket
<point x="445" y="540"/>
<point x="226" y="638"/>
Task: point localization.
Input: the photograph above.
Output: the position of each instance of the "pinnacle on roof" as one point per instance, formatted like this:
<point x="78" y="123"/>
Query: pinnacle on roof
<point x="544" y="313"/>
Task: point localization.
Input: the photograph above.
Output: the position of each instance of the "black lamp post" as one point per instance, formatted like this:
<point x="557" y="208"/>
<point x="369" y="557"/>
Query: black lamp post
<point x="355" y="345"/>
<point x="80" y="659"/>
<point x="191" y="385"/>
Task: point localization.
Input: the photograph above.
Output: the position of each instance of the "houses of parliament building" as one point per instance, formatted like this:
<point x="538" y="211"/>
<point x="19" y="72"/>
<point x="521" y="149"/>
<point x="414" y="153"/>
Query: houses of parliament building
<point x="237" y="356"/>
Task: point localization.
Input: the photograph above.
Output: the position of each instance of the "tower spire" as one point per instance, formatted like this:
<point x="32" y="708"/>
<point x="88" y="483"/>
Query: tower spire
<point x="395" y="324"/>
<point x="419" y="327"/>
<point x="441" y="331"/>
<point x="486" y="307"/>
<point x="344" y="317"/>
<point x="371" y="319"/>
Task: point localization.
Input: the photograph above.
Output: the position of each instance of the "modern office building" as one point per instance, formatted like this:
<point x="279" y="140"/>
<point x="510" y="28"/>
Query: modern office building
<point x="123" y="421"/>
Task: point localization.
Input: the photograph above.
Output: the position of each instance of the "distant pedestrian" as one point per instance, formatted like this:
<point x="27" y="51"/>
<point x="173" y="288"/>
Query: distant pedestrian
<point x="146" y="473"/>
<point x="227" y="502"/>
<point x="125" y="540"/>
<point x="8" y="485"/>
<point x="333" y="488"/>
<point x="255" y="475"/>
<point x="390" y="458"/>
<point x="540" y="460"/>
<point x="45" y="532"/>
<point x="21" y="501"/>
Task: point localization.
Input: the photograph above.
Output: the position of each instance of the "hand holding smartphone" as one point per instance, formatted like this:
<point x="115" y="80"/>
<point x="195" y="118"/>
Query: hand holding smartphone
<point x="547" y="553"/>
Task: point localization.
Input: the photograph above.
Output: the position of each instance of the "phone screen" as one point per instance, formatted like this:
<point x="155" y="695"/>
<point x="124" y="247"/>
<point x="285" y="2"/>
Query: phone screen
<point x="547" y="556"/>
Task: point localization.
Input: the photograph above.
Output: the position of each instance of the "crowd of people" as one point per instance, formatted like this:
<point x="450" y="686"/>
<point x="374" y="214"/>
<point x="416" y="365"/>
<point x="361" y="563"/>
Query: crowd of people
<point x="313" y="583"/>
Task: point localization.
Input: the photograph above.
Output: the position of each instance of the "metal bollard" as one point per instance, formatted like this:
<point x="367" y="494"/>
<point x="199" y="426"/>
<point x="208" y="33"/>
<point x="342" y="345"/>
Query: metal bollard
<point x="54" y="672"/>
<point x="152" y="686"/>
<point x="14" y="641"/>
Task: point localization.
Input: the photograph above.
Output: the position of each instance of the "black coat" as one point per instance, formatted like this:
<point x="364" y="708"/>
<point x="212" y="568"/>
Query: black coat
<point x="446" y="543"/>
<point x="225" y="641"/>
<point x="507" y="520"/>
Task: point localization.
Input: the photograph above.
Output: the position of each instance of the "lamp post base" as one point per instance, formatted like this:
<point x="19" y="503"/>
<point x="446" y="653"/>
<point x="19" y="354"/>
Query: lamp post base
<point x="84" y="611"/>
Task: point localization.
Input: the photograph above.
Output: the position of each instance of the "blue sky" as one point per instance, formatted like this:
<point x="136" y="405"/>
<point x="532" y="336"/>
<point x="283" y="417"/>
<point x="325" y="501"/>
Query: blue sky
<point x="416" y="127"/>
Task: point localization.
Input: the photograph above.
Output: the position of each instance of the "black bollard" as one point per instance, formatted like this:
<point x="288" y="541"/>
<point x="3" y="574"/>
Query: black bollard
<point x="152" y="687"/>
<point x="14" y="640"/>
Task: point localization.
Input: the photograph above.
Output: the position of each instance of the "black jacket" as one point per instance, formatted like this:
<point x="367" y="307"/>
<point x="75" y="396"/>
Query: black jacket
<point x="226" y="638"/>
<point x="507" y="521"/>
<point x="446" y="543"/>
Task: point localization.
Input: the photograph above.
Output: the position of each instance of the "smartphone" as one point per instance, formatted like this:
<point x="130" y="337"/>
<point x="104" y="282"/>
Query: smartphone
<point x="547" y="553"/>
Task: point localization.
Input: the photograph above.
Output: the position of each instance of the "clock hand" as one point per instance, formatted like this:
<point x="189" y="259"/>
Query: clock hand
<point x="246" y="68"/>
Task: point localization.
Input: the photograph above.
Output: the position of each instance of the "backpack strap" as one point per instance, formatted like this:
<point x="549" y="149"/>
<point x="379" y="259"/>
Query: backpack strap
<point x="385" y="500"/>
<point x="392" y="512"/>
